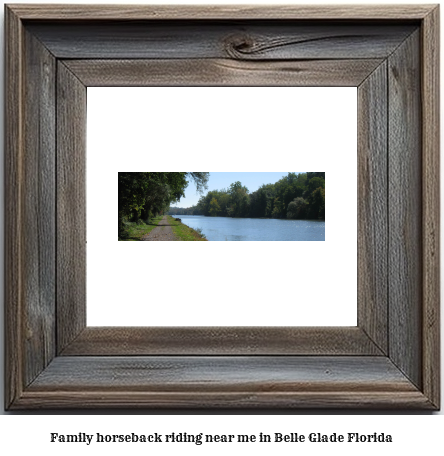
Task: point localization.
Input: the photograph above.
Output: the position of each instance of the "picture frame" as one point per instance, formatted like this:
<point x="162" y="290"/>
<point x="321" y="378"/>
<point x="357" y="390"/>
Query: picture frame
<point x="389" y="360"/>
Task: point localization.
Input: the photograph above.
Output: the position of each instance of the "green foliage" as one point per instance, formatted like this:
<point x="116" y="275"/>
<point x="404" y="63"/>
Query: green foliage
<point x="317" y="203"/>
<point x="183" y="211"/>
<point x="136" y="230"/>
<point x="145" y="195"/>
<point x="214" y="207"/>
<point x="315" y="183"/>
<point x="297" y="209"/>
<point x="239" y="201"/>
<point x="296" y="196"/>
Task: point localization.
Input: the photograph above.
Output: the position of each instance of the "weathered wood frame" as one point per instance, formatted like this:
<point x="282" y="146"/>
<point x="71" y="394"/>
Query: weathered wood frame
<point x="390" y="360"/>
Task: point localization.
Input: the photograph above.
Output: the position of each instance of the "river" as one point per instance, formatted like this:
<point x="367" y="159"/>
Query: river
<point x="253" y="229"/>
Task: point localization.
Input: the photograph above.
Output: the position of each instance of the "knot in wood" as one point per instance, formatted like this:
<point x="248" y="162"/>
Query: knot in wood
<point x="238" y="46"/>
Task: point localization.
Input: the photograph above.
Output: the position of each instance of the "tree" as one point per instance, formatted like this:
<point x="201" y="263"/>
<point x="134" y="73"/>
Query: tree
<point x="315" y="183"/>
<point x="214" y="207"/>
<point x="132" y="191"/>
<point x="297" y="208"/>
<point x="200" y="179"/>
<point x="317" y="203"/>
<point x="238" y="200"/>
<point x="144" y="194"/>
<point x="297" y="195"/>
<point x="278" y="209"/>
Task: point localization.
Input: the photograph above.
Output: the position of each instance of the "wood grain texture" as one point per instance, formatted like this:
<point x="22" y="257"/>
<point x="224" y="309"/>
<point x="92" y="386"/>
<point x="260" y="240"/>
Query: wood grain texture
<point x="30" y="209"/>
<point x="246" y="41"/>
<point x="221" y="72"/>
<point x="234" y="40"/>
<point x="372" y="207"/>
<point x="405" y="209"/>
<point x="39" y="207"/>
<point x="71" y="206"/>
<point x="220" y="12"/>
<point x="127" y="341"/>
<point x="210" y="373"/>
<point x="202" y="381"/>
<point x="431" y="206"/>
<point x="13" y="209"/>
<point x="99" y="399"/>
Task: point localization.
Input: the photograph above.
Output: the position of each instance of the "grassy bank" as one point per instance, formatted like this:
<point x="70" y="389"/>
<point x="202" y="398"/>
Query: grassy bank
<point x="184" y="232"/>
<point x="135" y="231"/>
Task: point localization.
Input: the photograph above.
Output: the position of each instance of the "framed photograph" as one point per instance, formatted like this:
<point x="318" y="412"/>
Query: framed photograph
<point x="390" y="359"/>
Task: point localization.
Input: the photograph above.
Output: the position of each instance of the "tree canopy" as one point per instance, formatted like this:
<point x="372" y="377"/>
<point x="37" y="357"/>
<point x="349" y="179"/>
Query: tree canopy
<point x="144" y="195"/>
<point x="295" y="196"/>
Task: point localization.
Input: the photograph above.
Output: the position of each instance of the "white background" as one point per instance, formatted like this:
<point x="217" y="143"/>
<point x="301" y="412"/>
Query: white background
<point x="413" y="434"/>
<point x="222" y="283"/>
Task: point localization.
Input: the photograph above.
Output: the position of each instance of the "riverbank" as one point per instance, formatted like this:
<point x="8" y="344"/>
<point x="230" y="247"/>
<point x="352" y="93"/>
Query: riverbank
<point x="184" y="232"/>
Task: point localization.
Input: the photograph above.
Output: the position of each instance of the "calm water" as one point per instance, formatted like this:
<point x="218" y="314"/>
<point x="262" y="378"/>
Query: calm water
<point x="248" y="229"/>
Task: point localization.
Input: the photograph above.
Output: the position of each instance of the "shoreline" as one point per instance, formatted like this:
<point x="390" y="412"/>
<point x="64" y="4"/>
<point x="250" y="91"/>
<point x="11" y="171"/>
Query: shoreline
<point x="184" y="232"/>
<point x="246" y="218"/>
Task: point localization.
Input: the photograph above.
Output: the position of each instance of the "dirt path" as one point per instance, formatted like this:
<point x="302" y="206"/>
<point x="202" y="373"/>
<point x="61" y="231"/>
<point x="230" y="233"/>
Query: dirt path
<point x="162" y="232"/>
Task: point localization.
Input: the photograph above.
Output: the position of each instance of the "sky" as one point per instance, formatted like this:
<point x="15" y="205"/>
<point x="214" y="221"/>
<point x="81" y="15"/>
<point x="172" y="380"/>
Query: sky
<point x="219" y="181"/>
